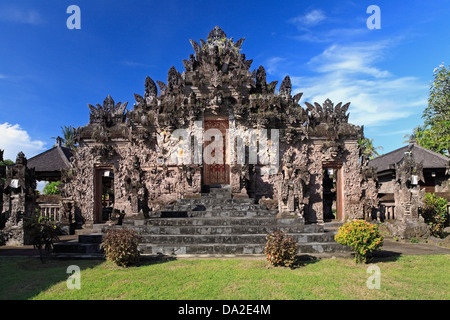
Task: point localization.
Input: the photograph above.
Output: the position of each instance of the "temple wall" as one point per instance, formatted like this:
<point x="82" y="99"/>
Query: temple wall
<point x="442" y="183"/>
<point x="352" y="178"/>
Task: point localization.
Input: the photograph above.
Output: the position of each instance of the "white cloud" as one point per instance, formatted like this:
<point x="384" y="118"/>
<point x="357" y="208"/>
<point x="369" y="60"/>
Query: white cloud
<point x="348" y="73"/>
<point x="329" y="35"/>
<point x="20" y="15"/>
<point x="129" y="63"/>
<point x="309" y="19"/>
<point x="355" y="58"/>
<point x="14" y="139"/>
<point x="273" y="64"/>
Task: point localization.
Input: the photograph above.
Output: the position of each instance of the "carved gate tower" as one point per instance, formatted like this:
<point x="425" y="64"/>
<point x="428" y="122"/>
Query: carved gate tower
<point x="137" y="156"/>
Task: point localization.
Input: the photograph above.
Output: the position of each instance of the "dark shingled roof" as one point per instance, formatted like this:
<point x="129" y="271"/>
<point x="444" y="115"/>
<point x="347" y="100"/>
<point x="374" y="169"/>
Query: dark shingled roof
<point x="431" y="159"/>
<point x="54" y="159"/>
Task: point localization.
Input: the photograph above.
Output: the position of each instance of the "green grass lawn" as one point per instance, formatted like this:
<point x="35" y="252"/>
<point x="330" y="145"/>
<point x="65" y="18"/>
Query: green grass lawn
<point x="404" y="277"/>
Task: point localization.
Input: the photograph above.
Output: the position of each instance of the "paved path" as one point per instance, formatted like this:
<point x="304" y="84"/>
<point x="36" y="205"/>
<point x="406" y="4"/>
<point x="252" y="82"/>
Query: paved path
<point x="393" y="248"/>
<point x="390" y="248"/>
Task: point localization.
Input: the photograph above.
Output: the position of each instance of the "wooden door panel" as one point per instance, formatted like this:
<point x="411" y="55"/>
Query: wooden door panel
<point x="217" y="173"/>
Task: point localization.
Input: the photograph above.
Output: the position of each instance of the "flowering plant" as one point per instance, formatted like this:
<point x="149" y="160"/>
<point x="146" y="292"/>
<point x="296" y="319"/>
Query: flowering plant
<point x="362" y="237"/>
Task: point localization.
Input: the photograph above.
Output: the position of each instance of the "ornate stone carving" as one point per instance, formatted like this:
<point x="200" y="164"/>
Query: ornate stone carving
<point x="109" y="113"/>
<point x="18" y="190"/>
<point x="286" y="87"/>
<point x="407" y="194"/>
<point x="294" y="186"/>
<point x="216" y="34"/>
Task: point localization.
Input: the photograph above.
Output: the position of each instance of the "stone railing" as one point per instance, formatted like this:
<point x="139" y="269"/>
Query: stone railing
<point x="50" y="207"/>
<point x="388" y="210"/>
<point x="51" y="211"/>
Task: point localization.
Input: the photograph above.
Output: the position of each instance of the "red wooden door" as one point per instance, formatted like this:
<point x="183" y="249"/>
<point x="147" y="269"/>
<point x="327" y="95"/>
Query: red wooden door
<point x="217" y="172"/>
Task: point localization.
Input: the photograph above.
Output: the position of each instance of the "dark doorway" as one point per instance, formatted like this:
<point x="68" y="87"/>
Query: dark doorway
<point x="103" y="194"/>
<point x="332" y="192"/>
<point x="329" y="194"/>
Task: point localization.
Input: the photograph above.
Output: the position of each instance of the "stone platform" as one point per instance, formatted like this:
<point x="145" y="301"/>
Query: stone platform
<point x="218" y="224"/>
<point x="214" y="224"/>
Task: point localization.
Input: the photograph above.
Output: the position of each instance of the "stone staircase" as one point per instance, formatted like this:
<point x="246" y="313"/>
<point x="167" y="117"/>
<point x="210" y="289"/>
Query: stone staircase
<point x="218" y="224"/>
<point x="85" y="244"/>
<point x="214" y="224"/>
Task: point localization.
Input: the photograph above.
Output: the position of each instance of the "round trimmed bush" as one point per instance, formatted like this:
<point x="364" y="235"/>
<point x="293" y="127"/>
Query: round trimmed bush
<point x="364" y="238"/>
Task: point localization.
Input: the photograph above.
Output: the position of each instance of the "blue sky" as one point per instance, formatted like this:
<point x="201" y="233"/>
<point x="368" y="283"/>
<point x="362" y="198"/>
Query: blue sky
<point x="48" y="73"/>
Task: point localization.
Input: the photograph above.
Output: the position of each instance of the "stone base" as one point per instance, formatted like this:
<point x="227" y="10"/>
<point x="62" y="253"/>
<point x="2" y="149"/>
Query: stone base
<point x="13" y="235"/>
<point x="408" y="229"/>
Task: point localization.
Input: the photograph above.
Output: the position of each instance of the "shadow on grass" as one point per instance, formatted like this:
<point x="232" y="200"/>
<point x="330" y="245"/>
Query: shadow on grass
<point x="303" y="260"/>
<point x="148" y="260"/>
<point x="385" y="256"/>
<point x="22" y="278"/>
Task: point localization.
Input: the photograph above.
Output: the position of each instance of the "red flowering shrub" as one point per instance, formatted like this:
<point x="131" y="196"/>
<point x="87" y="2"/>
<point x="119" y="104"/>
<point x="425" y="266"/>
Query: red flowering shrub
<point x="280" y="249"/>
<point x="363" y="237"/>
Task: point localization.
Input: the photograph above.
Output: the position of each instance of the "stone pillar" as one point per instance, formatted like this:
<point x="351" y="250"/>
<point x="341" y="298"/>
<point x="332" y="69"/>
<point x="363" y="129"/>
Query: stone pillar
<point x="19" y="187"/>
<point x="407" y="194"/>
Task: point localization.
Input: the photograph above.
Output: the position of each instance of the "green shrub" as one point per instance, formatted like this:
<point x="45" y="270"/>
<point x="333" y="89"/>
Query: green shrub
<point x="280" y="249"/>
<point x="41" y="233"/>
<point x="435" y="214"/>
<point x="121" y="246"/>
<point x="362" y="237"/>
<point x="52" y="188"/>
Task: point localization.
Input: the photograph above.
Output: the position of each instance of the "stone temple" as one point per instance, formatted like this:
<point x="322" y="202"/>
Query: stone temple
<point x="218" y="140"/>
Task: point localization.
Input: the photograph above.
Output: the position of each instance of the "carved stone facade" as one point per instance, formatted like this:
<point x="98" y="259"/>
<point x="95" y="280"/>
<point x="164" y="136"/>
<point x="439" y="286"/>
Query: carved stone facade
<point x="408" y="195"/>
<point x="145" y="162"/>
<point x="17" y="185"/>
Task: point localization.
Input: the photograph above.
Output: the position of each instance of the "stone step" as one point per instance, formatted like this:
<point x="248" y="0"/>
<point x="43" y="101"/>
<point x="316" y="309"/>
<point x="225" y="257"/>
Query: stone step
<point x="221" y="249"/>
<point x="76" y="247"/>
<point x="332" y="226"/>
<point x="230" y="221"/>
<point x="212" y="201"/>
<point x="233" y="239"/>
<point x="231" y="213"/>
<point x="89" y="229"/>
<point x="217" y="230"/>
<point x="90" y="238"/>
<point x="212" y="213"/>
<point x="214" y="207"/>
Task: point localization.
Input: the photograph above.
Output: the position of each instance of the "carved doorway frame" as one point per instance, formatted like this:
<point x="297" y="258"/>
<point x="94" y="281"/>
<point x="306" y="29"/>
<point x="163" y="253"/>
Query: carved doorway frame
<point x="337" y="165"/>
<point x="97" y="192"/>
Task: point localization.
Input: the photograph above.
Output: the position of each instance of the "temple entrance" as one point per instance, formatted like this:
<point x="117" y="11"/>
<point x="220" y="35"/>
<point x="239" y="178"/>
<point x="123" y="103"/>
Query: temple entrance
<point x="103" y="194"/>
<point x="218" y="171"/>
<point x="332" y="192"/>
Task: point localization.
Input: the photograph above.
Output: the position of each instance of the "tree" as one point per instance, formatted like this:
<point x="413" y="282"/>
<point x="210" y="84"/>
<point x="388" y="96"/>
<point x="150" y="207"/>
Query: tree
<point x="68" y="139"/>
<point x="6" y="162"/>
<point x="435" y="132"/>
<point x="52" y="188"/>
<point x="368" y="148"/>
